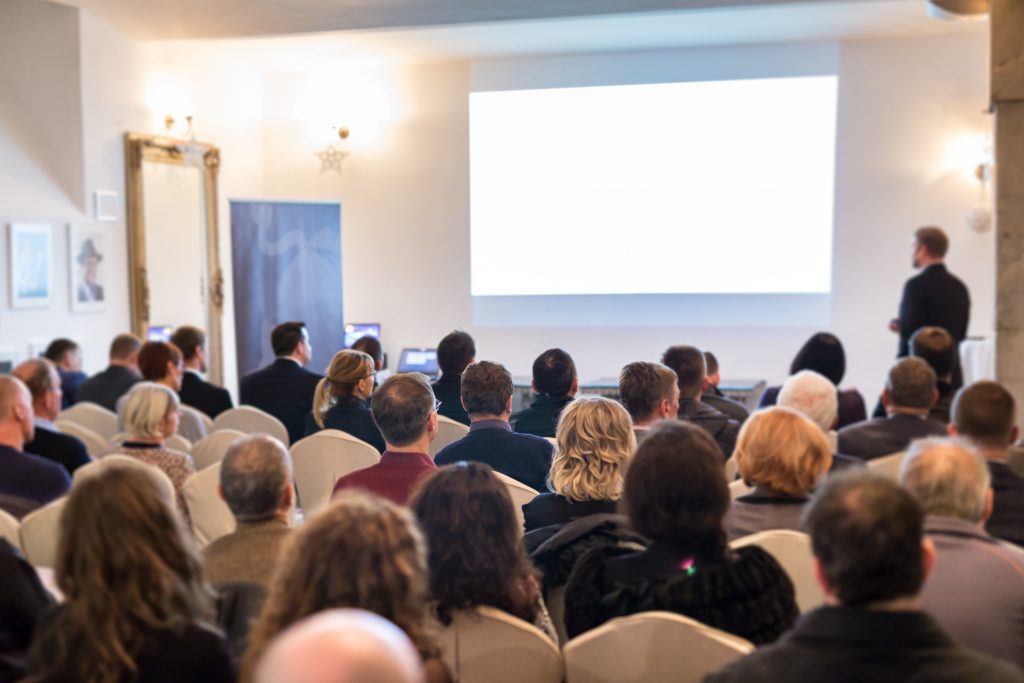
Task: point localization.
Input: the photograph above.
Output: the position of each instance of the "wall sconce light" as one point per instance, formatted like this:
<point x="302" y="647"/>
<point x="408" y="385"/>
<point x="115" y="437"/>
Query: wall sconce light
<point x="958" y="10"/>
<point x="331" y="158"/>
<point x="979" y="218"/>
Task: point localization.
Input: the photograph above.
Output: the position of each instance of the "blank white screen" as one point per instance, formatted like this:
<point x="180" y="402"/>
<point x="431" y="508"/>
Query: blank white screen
<point x="702" y="187"/>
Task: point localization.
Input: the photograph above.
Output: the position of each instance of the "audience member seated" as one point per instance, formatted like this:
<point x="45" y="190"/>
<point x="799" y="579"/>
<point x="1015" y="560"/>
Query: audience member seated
<point x="985" y="414"/>
<point x="871" y="560"/>
<point x="26" y="481"/>
<point x="936" y="347"/>
<point x="371" y="346"/>
<point x="256" y="484"/>
<point x="135" y="607"/>
<point x="908" y="396"/>
<point x="121" y="374"/>
<point x="341" y="646"/>
<point x="714" y="397"/>
<point x="406" y="412"/>
<point x="783" y="455"/>
<point x="676" y="496"/>
<point x="341" y="398"/>
<point x="555" y="382"/>
<point x="361" y="551"/>
<point x="976" y="588"/>
<point x="487" y="398"/>
<point x="650" y="392"/>
<point x="475" y="553"/>
<point x="688" y="364"/>
<point x="814" y="396"/>
<point x="67" y="356"/>
<point x="161" y="363"/>
<point x="196" y="391"/>
<point x="285" y="388"/>
<point x="595" y="441"/>
<point x="43" y="382"/>
<point x="150" y="417"/>
<point x="22" y="600"/>
<point x="454" y="354"/>
<point x="824" y="354"/>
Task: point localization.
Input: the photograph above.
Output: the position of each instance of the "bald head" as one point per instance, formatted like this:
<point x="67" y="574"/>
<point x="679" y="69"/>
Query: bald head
<point x="948" y="479"/>
<point x="341" y="646"/>
<point x="43" y="382"/>
<point x="16" y="416"/>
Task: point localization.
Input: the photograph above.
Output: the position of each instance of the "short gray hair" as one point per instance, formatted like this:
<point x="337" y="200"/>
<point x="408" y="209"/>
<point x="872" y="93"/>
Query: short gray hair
<point x="947" y="477"/>
<point x="813" y="395"/>
<point x="911" y="384"/>
<point x="401" y="407"/>
<point x="254" y="474"/>
<point x="147" y="406"/>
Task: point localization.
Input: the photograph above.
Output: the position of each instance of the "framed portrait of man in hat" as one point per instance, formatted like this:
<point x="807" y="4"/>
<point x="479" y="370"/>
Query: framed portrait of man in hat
<point x="86" y="247"/>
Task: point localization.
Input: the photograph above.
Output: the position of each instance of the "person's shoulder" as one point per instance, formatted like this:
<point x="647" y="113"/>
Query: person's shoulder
<point x="42" y="468"/>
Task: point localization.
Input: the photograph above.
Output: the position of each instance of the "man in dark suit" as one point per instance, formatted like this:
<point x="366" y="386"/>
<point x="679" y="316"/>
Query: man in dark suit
<point x="487" y="397"/>
<point x="985" y="414"/>
<point x="67" y="356"/>
<point x="934" y="296"/>
<point x="936" y="347"/>
<point x="454" y="354"/>
<point x="43" y="382"/>
<point x="554" y="379"/>
<point x="908" y="397"/>
<point x="195" y="391"/>
<point x="714" y="397"/>
<point x="689" y="365"/>
<point x="284" y="388"/>
<point x="122" y="373"/>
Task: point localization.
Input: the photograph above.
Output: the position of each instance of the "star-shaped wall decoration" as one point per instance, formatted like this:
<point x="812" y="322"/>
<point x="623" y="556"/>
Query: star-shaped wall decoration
<point x="331" y="158"/>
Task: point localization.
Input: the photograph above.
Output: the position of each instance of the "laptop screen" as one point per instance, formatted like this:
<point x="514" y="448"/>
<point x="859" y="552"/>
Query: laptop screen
<point x="419" y="360"/>
<point x="160" y="333"/>
<point x="356" y="331"/>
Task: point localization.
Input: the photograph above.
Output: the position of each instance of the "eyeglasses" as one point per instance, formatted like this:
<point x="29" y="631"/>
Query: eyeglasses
<point x="437" y="404"/>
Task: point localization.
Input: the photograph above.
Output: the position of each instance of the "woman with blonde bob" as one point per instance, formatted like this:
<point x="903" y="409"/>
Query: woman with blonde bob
<point x="594" y="441"/>
<point x="341" y="398"/>
<point x="783" y="455"/>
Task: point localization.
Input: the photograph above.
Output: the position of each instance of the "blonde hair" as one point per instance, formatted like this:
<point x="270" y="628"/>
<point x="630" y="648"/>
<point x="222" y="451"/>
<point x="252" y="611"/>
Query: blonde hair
<point x="782" y="449"/>
<point x="594" y="442"/>
<point x="347" y="368"/>
<point x="147" y="407"/>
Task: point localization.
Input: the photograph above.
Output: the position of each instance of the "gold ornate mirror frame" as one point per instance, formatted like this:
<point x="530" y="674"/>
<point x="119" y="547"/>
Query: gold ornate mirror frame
<point x="138" y="148"/>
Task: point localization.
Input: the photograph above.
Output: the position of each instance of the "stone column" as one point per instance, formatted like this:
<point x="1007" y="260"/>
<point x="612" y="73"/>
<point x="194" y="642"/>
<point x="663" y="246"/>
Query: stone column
<point x="1007" y="26"/>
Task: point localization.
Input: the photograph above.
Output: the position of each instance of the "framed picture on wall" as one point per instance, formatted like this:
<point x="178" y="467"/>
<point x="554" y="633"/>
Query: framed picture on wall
<point x="86" y="272"/>
<point x="31" y="273"/>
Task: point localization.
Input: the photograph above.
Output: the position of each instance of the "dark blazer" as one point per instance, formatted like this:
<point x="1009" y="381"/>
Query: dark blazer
<point x="851" y="405"/>
<point x="939" y="411"/>
<point x="204" y="396"/>
<point x="725" y="405"/>
<point x="852" y="644"/>
<point x="285" y="390"/>
<point x="541" y="418"/>
<point x="22" y="601"/>
<point x="524" y="457"/>
<point x="549" y="509"/>
<point x="69" y="383"/>
<point x="62" y="449"/>
<point x="1007" y="520"/>
<point x="106" y="387"/>
<point x="718" y="425"/>
<point x="28" y="481"/>
<point x="352" y="416"/>
<point x="884" y="436"/>
<point x="448" y="390"/>
<point x="933" y="297"/>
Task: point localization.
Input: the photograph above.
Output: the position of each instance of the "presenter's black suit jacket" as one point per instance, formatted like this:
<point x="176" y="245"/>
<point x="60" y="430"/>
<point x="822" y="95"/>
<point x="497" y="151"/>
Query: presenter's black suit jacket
<point x="201" y="395"/>
<point x="933" y="297"/>
<point x="285" y="390"/>
<point x="524" y="457"/>
<point x="62" y="449"/>
<point x="1007" y="520"/>
<point x="885" y="435"/>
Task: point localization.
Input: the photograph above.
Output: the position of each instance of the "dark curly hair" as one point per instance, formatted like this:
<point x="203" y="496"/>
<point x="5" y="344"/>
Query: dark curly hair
<point x="476" y="556"/>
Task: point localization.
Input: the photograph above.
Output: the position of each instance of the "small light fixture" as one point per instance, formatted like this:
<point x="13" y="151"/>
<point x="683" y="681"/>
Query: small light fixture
<point x="958" y="10"/>
<point x="331" y="158"/>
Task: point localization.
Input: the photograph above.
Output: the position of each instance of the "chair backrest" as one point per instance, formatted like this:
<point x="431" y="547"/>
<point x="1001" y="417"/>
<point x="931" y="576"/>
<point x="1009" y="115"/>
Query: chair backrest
<point x="96" y="466"/>
<point x="792" y="549"/>
<point x="206" y="420"/>
<point x="739" y="488"/>
<point x="521" y="495"/>
<point x="95" y="443"/>
<point x="177" y="442"/>
<point x="94" y="416"/>
<point x="888" y="465"/>
<point x="211" y="449"/>
<point x="211" y="517"/>
<point x="556" y="610"/>
<point x="486" y="645"/>
<point x="250" y="420"/>
<point x="448" y="431"/>
<point x="10" y="528"/>
<point x="731" y="470"/>
<point x="321" y="459"/>
<point x="40" y="533"/>
<point x="650" y="646"/>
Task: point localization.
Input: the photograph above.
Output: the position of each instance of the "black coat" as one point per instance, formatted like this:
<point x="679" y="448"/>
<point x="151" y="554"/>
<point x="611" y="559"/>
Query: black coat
<point x="933" y="297"/>
<point x="1007" y="520"/>
<point x="448" y="390"/>
<point x="22" y="601"/>
<point x="62" y="449"/>
<point x="884" y="436"/>
<point x="204" y="396"/>
<point x="725" y="405"/>
<point x="524" y="457"/>
<point x="284" y="389"/>
<point x="104" y="388"/>
<point x="552" y="508"/>
<point x="352" y="416"/>
<point x="720" y="426"/>
<point x="556" y="548"/>
<point x="541" y="418"/>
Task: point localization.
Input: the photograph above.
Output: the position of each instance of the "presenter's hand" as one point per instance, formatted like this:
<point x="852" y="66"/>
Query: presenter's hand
<point x="894" y="325"/>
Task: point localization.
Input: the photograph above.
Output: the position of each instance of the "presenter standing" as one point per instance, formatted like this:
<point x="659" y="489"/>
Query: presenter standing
<point x="934" y="296"/>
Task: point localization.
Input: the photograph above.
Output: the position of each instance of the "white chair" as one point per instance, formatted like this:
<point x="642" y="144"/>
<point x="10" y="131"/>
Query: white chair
<point x="521" y="495"/>
<point x="556" y="610"/>
<point x="177" y="442"/>
<point x="40" y="533"/>
<point x="211" y="517"/>
<point x="888" y="465"/>
<point x="731" y="470"/>
<point x="739" y="488"/>
<point x="10" y="528"/>
<point x="96" y="466"/>
<point x="792" y="549"/>
<point x="211" y="449"/>
<point x="448" y="431"/>
<point x="321" y="459"/>
<point x="206" y="420"/>
<point x="95" y="443"/>
<point x="650" y="646"/>
<point x="250" y="420"/>
<point x="94" y="416"/>
<point x="486" y="645"/>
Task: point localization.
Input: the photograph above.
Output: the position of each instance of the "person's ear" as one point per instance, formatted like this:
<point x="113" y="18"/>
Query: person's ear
<point x="819" y="577"/>
<point x="927" y="556"/>
<point x="220" y="493"/>
<point x="935" y="397"/>
<point x="508" y="405"/>
<point x="705" y="385"/>
<point x="432" y="426"/>
<point x="1014" y="433"/>
<point x="533" y="385"/>
<point x="986" y="511"/>
<point x="952" y="430"/>
<point x="575" y="386"/>
<point x="886" y="399"/>
<point x="287" y="497"/>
